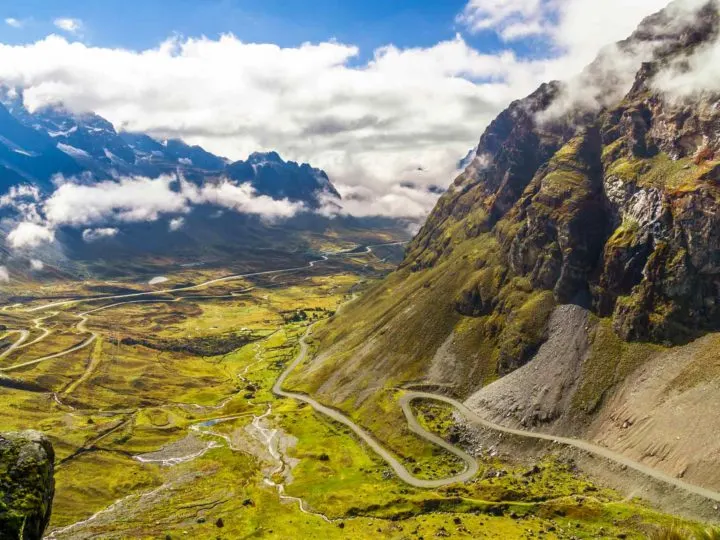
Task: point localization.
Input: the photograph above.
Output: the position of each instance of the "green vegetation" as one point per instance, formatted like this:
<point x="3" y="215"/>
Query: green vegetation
<point x="608" y="363"/>
<point x="677" y="176"/>
<point x="680" y="532"/>
<point x="155" y="442"/>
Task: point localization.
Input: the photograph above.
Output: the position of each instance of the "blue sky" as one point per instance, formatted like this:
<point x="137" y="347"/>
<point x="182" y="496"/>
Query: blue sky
<point x="142" y="24"/>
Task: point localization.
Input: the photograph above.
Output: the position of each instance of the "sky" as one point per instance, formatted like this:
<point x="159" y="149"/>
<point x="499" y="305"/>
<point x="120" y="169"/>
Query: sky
<point x="142" y="24"/>
<point x="378" y="93"/>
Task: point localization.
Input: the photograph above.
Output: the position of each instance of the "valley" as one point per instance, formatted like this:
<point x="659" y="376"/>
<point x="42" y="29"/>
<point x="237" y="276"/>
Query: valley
<point x="170" y="414"/>
<point x="372" y="336"/>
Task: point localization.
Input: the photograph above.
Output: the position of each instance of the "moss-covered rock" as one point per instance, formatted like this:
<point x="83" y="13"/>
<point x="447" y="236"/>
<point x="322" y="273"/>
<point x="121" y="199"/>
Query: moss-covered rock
<point x="27" y="485"/>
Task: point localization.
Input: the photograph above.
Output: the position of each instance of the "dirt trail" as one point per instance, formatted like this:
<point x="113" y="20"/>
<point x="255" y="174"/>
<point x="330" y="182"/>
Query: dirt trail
<point x="405" y="402"/>
<point x="24" y="334"/>
<point x="389" y="458"/>
<point x="311" y="264"/>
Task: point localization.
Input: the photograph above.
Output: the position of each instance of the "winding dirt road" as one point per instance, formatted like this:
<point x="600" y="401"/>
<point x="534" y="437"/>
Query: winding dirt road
<point x="405" y="401"/>
<point x="311" y="264"/>
<point x="83" y="316"/>
<point x="24" y="334"/>
<point x="472" y="466"/>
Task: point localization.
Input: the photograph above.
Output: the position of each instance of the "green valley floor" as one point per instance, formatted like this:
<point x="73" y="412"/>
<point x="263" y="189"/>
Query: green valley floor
<point x="162" y="404"/>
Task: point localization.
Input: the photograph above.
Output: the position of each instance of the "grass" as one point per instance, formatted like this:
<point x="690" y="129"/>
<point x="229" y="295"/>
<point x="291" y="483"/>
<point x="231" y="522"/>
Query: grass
<point x="678" y="176"/>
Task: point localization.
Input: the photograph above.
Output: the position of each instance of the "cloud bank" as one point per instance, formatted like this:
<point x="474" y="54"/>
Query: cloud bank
<point x="371" y="125"/>
<point x="99" y="208"/>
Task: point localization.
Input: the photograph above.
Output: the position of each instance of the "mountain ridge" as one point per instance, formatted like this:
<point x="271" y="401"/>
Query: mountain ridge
<point x="612" y="208"/>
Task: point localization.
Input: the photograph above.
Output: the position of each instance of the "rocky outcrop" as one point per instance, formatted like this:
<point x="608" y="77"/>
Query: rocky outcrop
<point x="27" y="485"/>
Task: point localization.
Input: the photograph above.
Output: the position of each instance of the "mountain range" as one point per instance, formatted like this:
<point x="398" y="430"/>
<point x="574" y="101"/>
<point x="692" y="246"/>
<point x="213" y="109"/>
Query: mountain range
<point x="49" y="147"/>
<point x="36" y="146"/>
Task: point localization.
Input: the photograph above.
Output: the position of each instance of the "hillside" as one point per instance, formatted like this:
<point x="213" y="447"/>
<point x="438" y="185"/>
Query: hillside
<point x="608" y="203"/>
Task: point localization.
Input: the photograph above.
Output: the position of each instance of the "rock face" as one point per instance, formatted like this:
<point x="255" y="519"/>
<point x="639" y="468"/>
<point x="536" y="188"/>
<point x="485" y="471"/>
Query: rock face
<point x="27" y="485"/>
<point x="615" y="208"/>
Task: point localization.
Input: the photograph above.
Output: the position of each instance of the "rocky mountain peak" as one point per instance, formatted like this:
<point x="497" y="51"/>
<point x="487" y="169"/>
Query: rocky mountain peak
<point x="612" y="202"/>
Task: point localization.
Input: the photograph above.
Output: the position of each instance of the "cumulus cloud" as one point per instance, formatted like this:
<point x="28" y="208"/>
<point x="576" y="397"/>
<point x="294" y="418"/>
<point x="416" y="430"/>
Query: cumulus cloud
<point x="692" y="75"/>
<point x="69" y="25"/>
<point x="407" y="200"/>
<point x="93" y="235"/>
<point x="313" y="103"/>
<point x="176" y="224"/>
<point x="574" y="32"/>
<point x="21" y="191"/>
<point x="13" y="22"/>
<point x="511" y="18"/>
<point x="242" y="198"/>
<point x="576" y="28"/>
<point x="128" y="200"/>
<point x="36" y="264"/>
<point x="4" y="275"/>
<point x="371" y="125"/>
<point x="30" y="235"/>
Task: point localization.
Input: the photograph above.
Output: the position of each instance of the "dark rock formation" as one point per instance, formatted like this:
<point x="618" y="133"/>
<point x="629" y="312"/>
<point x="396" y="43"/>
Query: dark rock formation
<point x="27" y="485"/>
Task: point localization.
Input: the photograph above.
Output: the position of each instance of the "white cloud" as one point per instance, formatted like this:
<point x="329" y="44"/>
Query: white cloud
<point x="176" y="224"/>
<point x="37" y="264"/>
<point x="692" y="75"/>
<point x="15" y="23"/>
<point x="371" y="125"/>
<point x="92" y="235"/>
<point x="19" y="192"/>
<point x="242" y="198"/>
<point x="129" y="200"/>
<point x="577" y="28"/>
<point x="511" y="18"/>
<point x="69" y="25"/>
<point x="30" y="235"/>
<point x="4" y="275"/>
<point x="398" y="201"/>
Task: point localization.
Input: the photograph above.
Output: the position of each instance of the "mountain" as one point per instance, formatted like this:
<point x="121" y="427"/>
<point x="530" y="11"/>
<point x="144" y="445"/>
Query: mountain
<point x="272" y="176"/>
<point x="52" y="140"/>
<point x="36" y="146"/>
<point x="569" y="279"/>
<point x="29" y="155"/>
<point x="100" y="150"/>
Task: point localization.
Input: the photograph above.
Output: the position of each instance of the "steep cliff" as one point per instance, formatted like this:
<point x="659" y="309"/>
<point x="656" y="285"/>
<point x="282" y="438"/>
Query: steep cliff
<point x="603" y="192"/>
